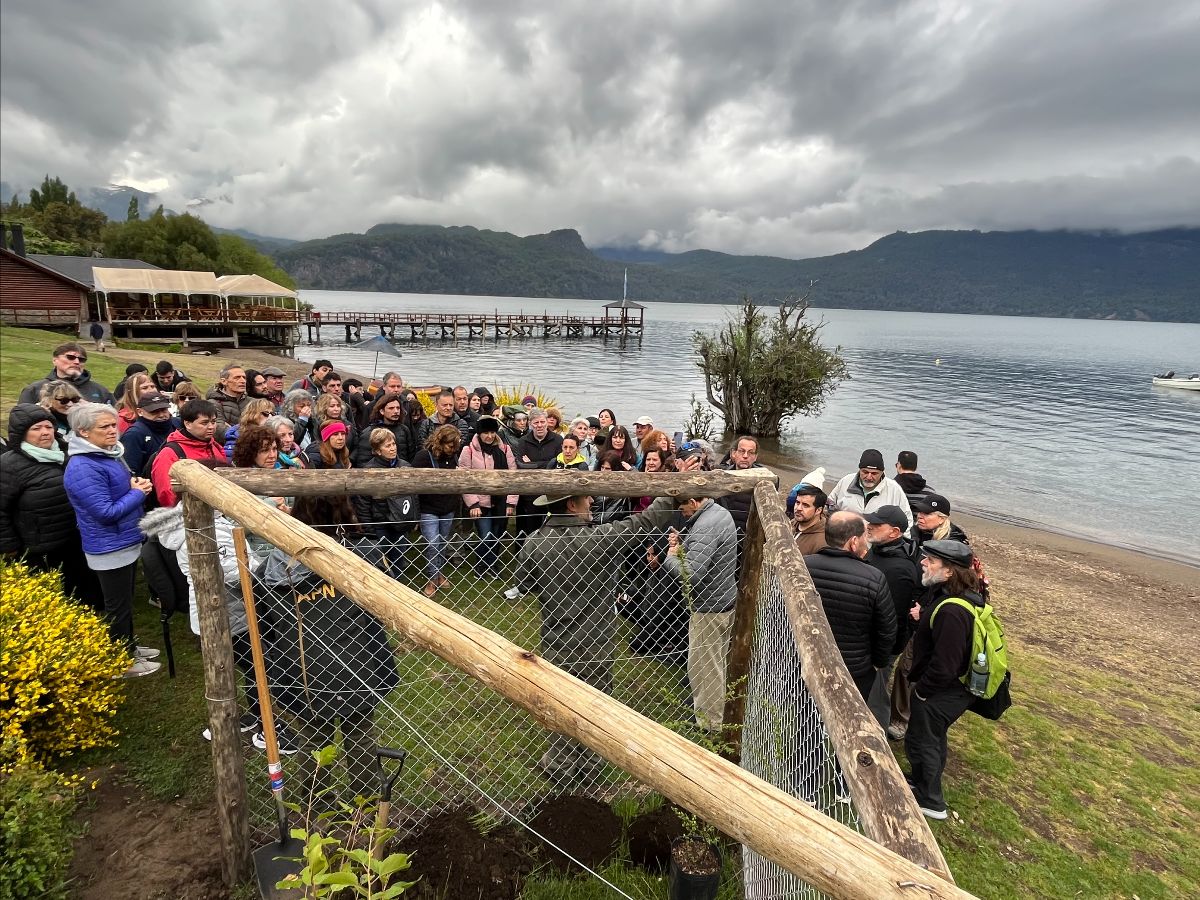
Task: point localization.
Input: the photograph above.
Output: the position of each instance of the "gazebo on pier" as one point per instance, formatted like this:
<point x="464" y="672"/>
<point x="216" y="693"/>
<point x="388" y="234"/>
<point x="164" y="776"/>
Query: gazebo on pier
<point x="626" y="316"/>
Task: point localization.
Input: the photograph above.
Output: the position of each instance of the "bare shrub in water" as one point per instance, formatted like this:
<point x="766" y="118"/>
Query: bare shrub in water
<point x="760" y="370"/>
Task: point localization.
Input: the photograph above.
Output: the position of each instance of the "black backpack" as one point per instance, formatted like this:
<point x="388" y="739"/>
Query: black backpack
<point x="148" y="467"/>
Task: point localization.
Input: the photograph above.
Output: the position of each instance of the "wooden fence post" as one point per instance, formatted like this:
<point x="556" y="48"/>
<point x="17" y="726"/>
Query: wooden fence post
<point x="220" y="690"/>
<point x="741" y="644"/>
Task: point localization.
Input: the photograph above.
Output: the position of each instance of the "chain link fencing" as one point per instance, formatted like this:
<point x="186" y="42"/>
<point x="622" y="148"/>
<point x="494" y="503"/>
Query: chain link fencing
<point x="784" y="740"/>
<point x="616" y="605"/>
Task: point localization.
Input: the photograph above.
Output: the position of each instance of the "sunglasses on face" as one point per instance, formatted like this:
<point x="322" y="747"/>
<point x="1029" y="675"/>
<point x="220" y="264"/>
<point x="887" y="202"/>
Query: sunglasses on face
<point x="66" y="401"/>
<point x="74" y="357"/>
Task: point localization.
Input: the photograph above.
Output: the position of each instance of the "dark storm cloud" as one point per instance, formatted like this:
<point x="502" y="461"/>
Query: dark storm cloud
<point x="793" y="128"/>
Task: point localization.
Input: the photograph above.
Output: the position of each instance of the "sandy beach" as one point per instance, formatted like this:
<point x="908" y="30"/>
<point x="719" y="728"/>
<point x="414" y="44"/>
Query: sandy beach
<point x="1137" y="611"/>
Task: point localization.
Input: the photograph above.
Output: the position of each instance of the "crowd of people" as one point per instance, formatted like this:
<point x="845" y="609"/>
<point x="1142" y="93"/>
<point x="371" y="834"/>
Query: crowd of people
<point x="85" y="488"/>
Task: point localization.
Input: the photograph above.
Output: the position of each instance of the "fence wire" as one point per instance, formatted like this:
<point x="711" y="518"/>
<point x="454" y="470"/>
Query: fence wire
<point x="784" y="740"/>
<point x="615" y="605"/>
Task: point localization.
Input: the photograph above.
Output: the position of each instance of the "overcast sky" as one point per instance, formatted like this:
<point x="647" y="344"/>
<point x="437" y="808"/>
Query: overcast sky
<point x="792" y="127"/>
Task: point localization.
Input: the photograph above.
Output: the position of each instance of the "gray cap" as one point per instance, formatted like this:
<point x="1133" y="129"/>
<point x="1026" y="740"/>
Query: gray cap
<point x="272" y="371"/>
<point x="954" y="552"/>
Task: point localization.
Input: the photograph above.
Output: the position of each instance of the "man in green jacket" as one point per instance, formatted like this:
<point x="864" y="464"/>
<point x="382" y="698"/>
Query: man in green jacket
<point x="571" y="565"/>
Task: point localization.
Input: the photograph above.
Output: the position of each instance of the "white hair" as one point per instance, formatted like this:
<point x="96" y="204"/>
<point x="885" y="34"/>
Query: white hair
<point x="84" y="416"/>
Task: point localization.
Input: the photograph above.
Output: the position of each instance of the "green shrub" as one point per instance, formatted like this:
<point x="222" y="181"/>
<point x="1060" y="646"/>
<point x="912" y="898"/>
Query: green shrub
<point x="36" y="832"/>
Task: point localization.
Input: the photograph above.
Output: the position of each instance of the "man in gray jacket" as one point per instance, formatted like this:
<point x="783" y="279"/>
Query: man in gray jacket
<point x="571" y="564"/>
<point x="704" y="556"/>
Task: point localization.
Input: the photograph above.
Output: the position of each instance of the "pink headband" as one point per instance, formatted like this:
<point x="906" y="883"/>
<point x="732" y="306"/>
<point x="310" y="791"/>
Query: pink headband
<point x="331" y="429"/>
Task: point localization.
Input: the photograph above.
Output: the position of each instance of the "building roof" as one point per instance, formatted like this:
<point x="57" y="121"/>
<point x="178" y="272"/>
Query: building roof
<point x="154" y="281"/>
<point x="79" y="268"/>
<point x="627" y="304"/>
<point x="251" y="286"/>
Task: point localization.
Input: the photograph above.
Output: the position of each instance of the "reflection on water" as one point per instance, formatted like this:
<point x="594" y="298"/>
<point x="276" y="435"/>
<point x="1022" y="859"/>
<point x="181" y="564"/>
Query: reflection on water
<point x="1050" y="421"/>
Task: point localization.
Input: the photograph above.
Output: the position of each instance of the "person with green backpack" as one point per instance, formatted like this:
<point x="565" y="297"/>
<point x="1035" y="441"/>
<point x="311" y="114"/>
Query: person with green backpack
<point x="959" y="663"/>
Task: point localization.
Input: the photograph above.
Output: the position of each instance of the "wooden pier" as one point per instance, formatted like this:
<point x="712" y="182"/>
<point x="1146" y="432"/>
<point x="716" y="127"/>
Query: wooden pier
<point x="455" y="326"/>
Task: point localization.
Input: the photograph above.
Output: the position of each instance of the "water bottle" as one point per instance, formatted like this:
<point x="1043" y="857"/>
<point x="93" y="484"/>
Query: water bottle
<point x="978" y="681"/>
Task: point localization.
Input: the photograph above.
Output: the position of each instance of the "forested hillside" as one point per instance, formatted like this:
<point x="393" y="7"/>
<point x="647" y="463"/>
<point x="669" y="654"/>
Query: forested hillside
<point x="1155" y="275"/>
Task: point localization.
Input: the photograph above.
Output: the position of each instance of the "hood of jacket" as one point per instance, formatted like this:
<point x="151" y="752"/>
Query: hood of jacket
<point x="166" y="524"/>
<point x="911" y="482"/>
<point x="901" y="547"/>
<point x="77" y="446"/>
<point x="23" y="417"/>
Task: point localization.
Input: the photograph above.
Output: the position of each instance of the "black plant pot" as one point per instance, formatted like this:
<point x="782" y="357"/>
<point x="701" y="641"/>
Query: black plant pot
<point x="688" y="886"/>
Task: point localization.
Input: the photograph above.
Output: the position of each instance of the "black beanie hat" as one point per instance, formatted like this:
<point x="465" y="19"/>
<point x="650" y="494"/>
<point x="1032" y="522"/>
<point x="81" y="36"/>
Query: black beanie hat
<point x="871" y="459"/>
<point x="23" y="417"/>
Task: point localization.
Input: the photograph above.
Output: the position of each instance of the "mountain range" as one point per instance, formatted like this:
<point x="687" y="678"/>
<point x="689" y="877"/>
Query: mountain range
<point x="1098" y="274"/>
<point x="1151" y="275"/>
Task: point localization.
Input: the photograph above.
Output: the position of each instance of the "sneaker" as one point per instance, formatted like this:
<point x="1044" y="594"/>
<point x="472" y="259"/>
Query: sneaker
<point x="155" y="602"/>
<point x="146" y="653"/>
<point x="513" y="593"/>
<point x="283" y="737"/>
<point x="896" y="733"/>
<point x="139" y="668"/>
<point x="247" y="722"/>
<point x="932" y="813"/>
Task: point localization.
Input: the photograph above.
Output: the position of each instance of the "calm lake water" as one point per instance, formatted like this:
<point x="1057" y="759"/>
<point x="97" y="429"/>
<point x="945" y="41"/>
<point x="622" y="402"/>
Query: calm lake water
<point x="1049" y="422"/>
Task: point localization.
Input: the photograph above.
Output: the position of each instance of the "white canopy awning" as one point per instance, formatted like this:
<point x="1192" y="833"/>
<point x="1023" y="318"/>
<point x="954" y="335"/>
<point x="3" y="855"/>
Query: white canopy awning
<point x="154" y="281"/>
<point x="251" y="286"/>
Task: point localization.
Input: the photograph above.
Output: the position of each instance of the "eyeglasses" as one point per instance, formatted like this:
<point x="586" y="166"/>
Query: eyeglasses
<point x="67" y="401"/>
<point x="74" y="357"/>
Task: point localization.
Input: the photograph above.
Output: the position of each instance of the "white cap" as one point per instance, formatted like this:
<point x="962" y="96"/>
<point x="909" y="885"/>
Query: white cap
<point x="816" y="478"/>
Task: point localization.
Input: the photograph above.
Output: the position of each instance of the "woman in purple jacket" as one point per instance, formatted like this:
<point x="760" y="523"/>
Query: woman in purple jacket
<point x="108" y="502"/>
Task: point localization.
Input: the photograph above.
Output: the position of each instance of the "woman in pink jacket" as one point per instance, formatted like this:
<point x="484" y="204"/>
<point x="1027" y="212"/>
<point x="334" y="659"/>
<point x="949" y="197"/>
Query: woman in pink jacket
<point x="490" y="514"/>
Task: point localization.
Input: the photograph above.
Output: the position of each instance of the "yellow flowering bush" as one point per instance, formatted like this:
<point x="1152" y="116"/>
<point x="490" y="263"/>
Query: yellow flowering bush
<point x="512" y="396"/>
<point x="59" y="684"/>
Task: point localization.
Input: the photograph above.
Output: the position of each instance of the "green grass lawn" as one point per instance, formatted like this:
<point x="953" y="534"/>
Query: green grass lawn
<point x="1088" y="787"/>
<point x="25" y="357"/>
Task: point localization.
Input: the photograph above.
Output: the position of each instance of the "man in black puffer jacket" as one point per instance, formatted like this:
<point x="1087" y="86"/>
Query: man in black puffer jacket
<point x="536" y="450"/>
<point x="896" y="557"/>
<point x="856" y="598"/>
<point x="37" y="520"/>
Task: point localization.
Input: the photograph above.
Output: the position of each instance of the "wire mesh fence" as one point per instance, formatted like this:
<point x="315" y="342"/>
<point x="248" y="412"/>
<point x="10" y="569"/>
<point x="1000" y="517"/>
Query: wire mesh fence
<point x="638" y="608"/>
<point x="605" y="603"/>
<point x="784" y="740"/>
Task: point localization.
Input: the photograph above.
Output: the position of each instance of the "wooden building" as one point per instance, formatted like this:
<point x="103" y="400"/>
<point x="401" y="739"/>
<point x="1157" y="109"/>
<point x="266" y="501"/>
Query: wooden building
<point x="52" y="291"/>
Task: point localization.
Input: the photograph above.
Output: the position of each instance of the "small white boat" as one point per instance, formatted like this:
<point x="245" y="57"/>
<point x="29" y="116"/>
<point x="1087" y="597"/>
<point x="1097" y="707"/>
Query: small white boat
<point x="1190" y="383"/>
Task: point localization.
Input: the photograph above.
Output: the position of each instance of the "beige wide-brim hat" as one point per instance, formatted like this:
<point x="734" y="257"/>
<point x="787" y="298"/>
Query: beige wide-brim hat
<point x="552" y="499"/>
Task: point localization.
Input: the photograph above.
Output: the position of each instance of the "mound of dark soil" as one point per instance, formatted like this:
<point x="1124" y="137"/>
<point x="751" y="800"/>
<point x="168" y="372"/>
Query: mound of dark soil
<point x="452" y="859"/>
<point x="650" y="837"/>
<point x="585" y="829"/>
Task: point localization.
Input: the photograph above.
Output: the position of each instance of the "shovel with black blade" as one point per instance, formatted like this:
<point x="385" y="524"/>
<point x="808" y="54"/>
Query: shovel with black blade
<point x="387" y="780"/>
<point x="276" y="861"/>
